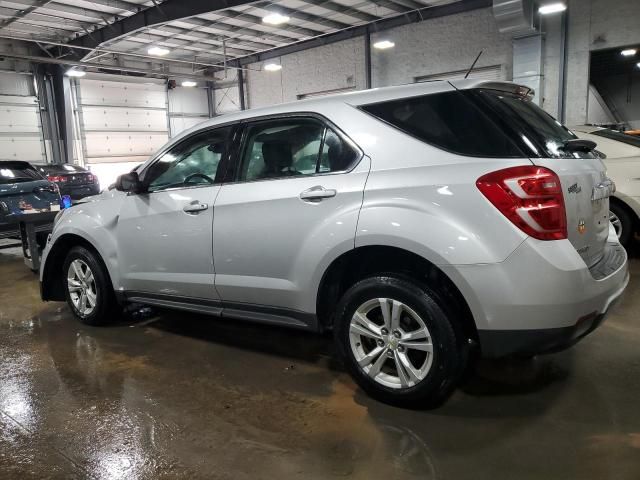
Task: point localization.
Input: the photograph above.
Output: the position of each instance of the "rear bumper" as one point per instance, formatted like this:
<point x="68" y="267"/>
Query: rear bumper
<point x="542" y="298"/>
<point x="80" y="191"/>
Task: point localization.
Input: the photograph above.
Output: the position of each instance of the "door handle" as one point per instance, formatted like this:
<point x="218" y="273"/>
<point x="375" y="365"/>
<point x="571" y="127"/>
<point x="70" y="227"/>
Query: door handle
<point x="317" y="193"/>
<point x="195" y="207"/>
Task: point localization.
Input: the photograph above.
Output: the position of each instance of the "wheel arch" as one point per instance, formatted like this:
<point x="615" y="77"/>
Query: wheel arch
<point x="364" y="261"/>
<point x="52" y="287"/>
<point x="620" y="202"/>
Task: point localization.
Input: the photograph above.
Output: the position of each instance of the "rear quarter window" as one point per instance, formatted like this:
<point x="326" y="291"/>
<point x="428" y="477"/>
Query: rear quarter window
<point x="450" y="121"/>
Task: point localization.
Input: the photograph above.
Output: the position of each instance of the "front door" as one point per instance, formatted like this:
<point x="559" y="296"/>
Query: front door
<point x="165" y="236"/>
<point x="294" y="201"/>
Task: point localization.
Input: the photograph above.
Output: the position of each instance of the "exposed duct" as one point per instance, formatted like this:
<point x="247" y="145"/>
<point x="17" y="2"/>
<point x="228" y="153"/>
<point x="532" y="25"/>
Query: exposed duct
<point x="515" y="17"/>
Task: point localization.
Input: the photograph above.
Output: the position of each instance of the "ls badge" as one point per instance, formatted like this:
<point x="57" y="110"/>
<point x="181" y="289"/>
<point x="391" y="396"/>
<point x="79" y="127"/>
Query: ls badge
<point x="581" y="227"/>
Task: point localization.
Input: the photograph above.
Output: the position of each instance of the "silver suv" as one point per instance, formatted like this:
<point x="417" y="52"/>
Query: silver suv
<point x="419" y="223"/>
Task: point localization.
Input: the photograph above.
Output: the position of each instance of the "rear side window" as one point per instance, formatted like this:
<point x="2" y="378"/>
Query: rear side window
<point x="449" y="120"/>
<point x="13" y="173"/>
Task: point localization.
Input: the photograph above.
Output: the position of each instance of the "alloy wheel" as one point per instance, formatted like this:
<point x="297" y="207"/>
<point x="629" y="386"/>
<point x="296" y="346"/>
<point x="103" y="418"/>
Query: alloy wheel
<point x="82" y="287"/>
<point x="391" y="343"/>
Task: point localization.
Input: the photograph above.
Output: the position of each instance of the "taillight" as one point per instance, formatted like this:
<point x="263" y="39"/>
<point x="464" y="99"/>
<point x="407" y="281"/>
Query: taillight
<point x="529" y="196"/>
<point x="56" y="178"/>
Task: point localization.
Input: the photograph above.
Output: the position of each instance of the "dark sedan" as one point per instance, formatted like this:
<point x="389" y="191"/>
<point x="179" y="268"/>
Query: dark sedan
<point x="72" y="180"/>
<point x="23" y="190"/>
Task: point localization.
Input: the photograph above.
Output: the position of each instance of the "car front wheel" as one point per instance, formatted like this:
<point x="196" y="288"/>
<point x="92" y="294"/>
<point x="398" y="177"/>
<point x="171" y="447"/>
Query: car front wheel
<point x="397" y="342"/>
<point x="87" y="287"/>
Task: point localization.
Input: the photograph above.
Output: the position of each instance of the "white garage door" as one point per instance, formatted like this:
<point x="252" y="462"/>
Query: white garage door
<point x="121" y="122"/>
<point x="20" y="128"/>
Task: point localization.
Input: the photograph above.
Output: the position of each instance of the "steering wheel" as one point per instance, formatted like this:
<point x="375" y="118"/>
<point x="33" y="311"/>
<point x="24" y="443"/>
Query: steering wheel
<point x="198" y="175"/>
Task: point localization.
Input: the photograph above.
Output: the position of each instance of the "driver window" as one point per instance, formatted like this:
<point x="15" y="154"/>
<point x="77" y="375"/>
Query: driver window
<point x="191" y="163"/>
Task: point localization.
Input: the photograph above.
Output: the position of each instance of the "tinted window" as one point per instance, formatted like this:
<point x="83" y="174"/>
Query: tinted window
<point x="16" y="173"/>
<point x="621" y="137"/>
<point x="191" y="163"/>
<point x="451" y="121"/>
<point x="542" y="135"/>
<point x="293" y="147"/>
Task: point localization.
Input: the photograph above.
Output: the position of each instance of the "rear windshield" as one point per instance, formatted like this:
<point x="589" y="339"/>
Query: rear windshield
<point x="479" y="123"/>
<point x="449" y="120"/>
<point x="17" y="174"/>
<point x="621" y="137"/>
<point x="541" y="134"/>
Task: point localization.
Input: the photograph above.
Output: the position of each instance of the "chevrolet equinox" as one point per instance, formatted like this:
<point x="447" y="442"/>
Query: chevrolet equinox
<point x="419" y="223"/>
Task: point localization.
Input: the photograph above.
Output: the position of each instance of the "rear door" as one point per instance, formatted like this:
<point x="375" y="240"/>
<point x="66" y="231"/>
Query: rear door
<point x="585" y="185"/>
<point x="293" y="197"/>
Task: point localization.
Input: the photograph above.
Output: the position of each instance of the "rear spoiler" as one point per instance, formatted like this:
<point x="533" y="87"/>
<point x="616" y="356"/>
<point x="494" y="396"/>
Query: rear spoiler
<point x="508" y="87"/>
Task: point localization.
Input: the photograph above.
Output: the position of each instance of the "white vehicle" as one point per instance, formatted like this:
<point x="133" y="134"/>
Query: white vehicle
<point x="416" y="222"/>
<point x="622" y="160"/>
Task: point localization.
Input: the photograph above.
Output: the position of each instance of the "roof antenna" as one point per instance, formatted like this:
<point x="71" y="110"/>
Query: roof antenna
<point x="473" y="64"/>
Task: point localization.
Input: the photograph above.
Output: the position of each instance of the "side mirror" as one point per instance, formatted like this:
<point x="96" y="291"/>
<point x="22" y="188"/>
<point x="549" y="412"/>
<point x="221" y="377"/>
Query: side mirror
<point x="129" y="182"/>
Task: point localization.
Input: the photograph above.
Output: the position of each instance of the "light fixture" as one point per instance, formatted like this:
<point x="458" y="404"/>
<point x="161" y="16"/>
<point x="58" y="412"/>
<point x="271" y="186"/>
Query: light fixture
<point x="552" y="8"/>
<point x="275" y="19"/>
<point x="189" y="83"/>
<point x="73" y="72"/>
<point x="158" y="51"/>
<point x="629" y="52"/>
<point x="638" y="64"/>
<point x="272" y="67"/>
<point x="384" y="44"/>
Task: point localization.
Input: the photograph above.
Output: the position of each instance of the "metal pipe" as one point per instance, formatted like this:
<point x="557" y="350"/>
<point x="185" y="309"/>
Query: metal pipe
<point x="367" y="58"/>
<point x="562" y="77"/>
<point x="241" y="90"/>
<point x="76" y="63"/>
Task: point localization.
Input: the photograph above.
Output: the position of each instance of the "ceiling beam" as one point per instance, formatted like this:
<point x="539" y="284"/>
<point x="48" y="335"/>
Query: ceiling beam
<point x="161" y="13"/>
<point x="358" y="31"/>
<point x="348" y="11"/>
<point x="23" y="13"/>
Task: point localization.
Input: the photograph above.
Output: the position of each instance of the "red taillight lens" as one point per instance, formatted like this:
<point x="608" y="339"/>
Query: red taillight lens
<point x="529" y="196"/>
<point x="56" y="178"/>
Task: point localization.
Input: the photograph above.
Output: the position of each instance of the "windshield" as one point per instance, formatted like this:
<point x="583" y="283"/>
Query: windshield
<point x="619" y="136"/>
<point x="15" y="174"/>
<point x="542" y="134"/>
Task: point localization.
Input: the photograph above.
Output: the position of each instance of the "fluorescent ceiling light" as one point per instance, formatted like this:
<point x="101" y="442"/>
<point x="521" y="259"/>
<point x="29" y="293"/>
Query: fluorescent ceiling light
<point x="158" y="51"/>
<point x="552" y="8"/>
<point x="72" y="72"/>
<point x="384" y="44"/>
<point x="272" y="67"/>
<point x="189" y="83"/>
<point x="638" y="64"/>
<point x="629" y="52"/>
<point x="275" y="19"/>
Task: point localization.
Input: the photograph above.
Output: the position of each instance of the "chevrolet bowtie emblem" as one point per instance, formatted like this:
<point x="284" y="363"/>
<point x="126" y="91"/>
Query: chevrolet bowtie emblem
<point x="581" y="227"/>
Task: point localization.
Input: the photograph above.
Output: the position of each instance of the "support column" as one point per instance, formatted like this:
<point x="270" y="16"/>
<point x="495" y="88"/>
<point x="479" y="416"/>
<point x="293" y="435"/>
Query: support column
<point x="367" y="58"/>
<point x="63" y="110"/>
<point x="241" y="89"/>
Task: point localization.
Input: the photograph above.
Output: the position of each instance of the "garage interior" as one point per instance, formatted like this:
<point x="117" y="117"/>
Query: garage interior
<point x="104" y="84"/>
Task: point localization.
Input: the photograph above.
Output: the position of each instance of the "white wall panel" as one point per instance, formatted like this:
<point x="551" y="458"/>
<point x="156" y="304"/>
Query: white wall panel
<point x="16" y="84"/>
<point x="122" y="121"/>
<point x="178" y="124"/>
<point x="27" y="148"/>
<point x="227" y="100"/>
<point x="109" y="93"/>
<point x="19" y="118"/>
<point x="188" y="100"/>
<point x="110" y="119"/>
<point x="20" y="128"/>
<point x="120" y="144"/>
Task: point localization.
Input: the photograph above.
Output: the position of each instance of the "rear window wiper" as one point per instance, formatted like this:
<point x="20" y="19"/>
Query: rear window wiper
<point x="579" y="145"/>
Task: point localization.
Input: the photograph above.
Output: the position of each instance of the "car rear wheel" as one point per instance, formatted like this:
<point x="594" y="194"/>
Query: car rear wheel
<point x="87" y="287"/>
<point x="397" y="342"/>
<point x="623" y="224"/>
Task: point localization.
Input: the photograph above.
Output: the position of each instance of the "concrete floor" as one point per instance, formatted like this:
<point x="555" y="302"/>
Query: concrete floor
<point x="185" y="396"/>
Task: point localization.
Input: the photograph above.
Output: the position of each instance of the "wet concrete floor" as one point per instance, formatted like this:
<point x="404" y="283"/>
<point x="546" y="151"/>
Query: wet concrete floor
<point x="186" y="396"/>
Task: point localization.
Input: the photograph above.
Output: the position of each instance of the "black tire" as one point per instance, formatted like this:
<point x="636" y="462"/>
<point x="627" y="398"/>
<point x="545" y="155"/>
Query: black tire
<point x="106" y="309"/>
<point x="627" y="223"/>
<point x="449" y="355"/>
